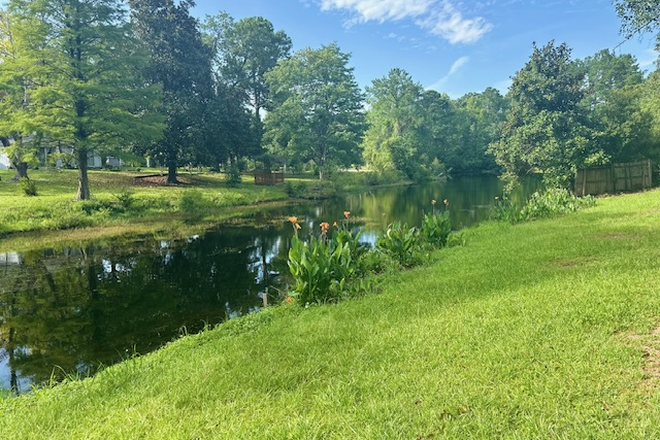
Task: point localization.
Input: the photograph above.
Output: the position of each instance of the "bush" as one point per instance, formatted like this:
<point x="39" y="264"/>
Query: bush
<point x="401" y="243"/>
<point x="549" y="203"/>
<point x="126" y="198"/>
<point x="233" y="178"/>
<point x="192" y="204"/>
<point x="29" y="187"/>
<point x="321" y="268"/>
<point x="436" y="228"/>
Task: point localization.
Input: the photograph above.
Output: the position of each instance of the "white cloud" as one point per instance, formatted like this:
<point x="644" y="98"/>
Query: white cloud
<point x="448" y="23"/>
<point x="455" y="67"/>
<point x="379" y="10"/>
<point x="439" y="17"/>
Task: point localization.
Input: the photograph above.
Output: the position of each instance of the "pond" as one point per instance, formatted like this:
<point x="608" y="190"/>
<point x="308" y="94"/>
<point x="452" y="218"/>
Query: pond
<point x="70" y="311"/>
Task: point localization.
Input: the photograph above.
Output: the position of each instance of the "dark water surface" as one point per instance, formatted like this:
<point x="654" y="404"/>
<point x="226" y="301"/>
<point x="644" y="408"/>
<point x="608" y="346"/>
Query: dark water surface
<point x="71" y="310"/>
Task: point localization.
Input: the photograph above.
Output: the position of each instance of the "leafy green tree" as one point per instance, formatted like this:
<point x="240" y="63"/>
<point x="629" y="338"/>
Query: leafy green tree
<point x="638" y="16"/>
<point x="16" y="109"/>
<point x="316" y="108"/>
<point x="395" y="116"/>
<point x="477" y="123"/>
<point x="180" y="63"/>
<point x="546" y="128"/>
<point x="243" y="52"/>
<point x="622" y="128"/>
<point x="94" y="97"/>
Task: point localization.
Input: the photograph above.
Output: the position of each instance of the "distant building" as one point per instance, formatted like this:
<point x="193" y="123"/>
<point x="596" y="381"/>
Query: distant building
<point x="5" y="163"/>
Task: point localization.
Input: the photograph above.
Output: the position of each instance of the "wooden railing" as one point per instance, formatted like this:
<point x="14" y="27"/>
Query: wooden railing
<point x="268" y="178"/>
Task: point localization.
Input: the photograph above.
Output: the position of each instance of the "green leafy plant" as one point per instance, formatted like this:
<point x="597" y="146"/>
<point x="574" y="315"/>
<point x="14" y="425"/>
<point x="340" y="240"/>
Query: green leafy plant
<point x="401" y="243"/>
<point x="542" y="204"/>
<point x="29" y="187"/>
<point x="436" y="227"/>
<point x="126" y="198"/>
<point x="321" y="268"/>
<point x="192" y="204"/>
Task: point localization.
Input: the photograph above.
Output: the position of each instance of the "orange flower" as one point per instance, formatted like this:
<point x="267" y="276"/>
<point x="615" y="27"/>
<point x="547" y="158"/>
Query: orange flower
<point x="289" y="299"/>
<point x="293" y="220"/>
<point x="334" y="224"/>
<point x="298" y="227"/>
<point x="433" y="202"/>
<point x="347" y="214"/>
<point x="325" y="226"/>
<point x="446" y="202"/>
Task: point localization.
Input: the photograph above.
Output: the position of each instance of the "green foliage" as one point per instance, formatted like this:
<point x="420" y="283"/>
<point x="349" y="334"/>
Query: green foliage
<point x="310" y="190"/>
<point x="29" y="187"/>
<point x="546" y="128"/>
<point x="401" y="243"/>
<point x="233" y="178"/>
<point x="126" y="198"/>
<point x="89" y="94"/>
<point x="542" y="204"/>
<point x="316" y="112"/>
<point x="326" y="268"/>
<point x="321" y="268"/>
<point x="436" y="228"/>
<point x="180" y="64"/>
<point x="192" y="204"/>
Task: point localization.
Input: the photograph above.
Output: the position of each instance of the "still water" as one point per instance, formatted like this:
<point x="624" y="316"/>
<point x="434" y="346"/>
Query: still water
<point x="72" y="310"/>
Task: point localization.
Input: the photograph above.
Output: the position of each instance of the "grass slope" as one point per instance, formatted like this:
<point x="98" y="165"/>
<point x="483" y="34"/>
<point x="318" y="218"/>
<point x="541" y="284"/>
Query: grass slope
<point x="543" y="330"/>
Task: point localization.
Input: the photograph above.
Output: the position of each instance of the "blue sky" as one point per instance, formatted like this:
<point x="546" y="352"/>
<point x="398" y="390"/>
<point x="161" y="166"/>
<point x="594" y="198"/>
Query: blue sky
<point x="451" y="46"/>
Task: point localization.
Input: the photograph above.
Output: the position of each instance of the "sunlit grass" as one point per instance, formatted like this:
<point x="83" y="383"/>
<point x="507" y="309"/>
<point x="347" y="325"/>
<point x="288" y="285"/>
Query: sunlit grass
<point x="535" y="331"/>
<point x="55" y="209"/>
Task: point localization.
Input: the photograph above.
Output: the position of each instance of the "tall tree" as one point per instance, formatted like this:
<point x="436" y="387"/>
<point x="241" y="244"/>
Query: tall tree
<point x="180" y="63"/>
<point x="246" y="51"/>
<point x="16" y="83"/>
<point x="546" y="127"/>
<point x="317" y="108"/>
<point x="93" y="98"/>
<point x="394" y="118"/>
<point x="478" y="123"/>
<point x="613" y="86"/>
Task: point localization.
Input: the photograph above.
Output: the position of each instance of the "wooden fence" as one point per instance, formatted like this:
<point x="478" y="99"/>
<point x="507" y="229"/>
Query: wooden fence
<point x="266" y="178"/>
<point x="614" y="178"/>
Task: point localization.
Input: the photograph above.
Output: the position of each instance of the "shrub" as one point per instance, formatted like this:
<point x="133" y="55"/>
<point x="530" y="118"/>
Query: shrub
<point x="401" y="243"/>
<point x="436" y="228"/>
<point x="321" y="268"/>
<point x="233" y="178"/>
<point x="29" y="187"/>
<point x="192" y="204"/>
<point x="549" y="203"/>
<point x="126" y="198"/>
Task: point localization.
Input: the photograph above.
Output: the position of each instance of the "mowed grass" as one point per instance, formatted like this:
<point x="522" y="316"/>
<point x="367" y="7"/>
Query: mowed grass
<point x="544" y="330"/>
<point x="152" y="206"/>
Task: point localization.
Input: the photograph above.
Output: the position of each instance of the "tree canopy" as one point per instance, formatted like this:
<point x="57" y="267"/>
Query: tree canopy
<point x="316" y="109"/>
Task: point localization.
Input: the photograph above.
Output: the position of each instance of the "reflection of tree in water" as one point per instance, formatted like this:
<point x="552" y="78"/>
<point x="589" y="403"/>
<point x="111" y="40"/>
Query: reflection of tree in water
<point x="73" y="310"/>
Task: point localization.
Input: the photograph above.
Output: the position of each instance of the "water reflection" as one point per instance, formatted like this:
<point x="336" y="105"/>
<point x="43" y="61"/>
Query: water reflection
<point x="72" y="309"/>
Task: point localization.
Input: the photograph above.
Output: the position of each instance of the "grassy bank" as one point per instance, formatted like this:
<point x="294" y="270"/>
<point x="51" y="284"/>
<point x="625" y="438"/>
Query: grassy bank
<point x="131" y="202"/>
<point x="537" y="331"/>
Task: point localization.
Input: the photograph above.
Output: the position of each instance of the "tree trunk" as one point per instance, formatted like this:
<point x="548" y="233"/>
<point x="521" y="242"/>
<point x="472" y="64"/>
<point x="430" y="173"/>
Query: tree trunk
<point x="171" y="172"/>
<point x="21" y="171"/>
<point x="83" y="180"/>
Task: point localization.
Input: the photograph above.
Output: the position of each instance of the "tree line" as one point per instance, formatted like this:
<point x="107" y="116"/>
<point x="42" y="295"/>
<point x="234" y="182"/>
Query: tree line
<point x="147" y="77"/>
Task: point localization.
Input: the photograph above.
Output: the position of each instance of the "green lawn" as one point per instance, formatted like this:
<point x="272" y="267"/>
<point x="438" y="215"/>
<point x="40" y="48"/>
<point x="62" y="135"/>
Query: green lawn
<point x="152" y="206"/>
<point x="544" y="330"/>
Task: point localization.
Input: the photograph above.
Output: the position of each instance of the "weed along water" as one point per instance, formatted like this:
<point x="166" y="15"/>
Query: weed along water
<point x="69" y="311"/>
